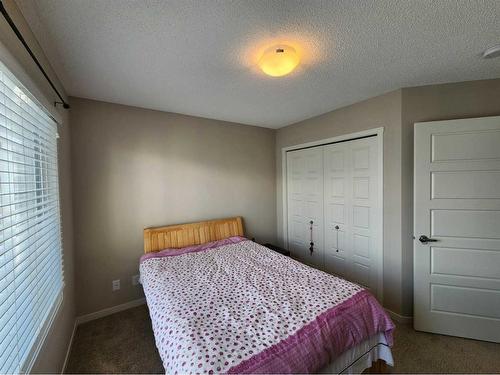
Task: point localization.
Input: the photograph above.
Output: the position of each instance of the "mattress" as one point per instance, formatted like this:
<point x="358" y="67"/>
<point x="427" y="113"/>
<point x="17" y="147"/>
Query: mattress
<point x="234" y="306"/>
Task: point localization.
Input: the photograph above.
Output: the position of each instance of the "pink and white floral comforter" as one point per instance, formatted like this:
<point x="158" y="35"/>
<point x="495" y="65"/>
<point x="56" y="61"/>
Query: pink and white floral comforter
<point x="234" y="306"/>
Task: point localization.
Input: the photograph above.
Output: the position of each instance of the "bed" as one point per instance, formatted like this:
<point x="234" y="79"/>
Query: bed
<point x="220" y="303"/>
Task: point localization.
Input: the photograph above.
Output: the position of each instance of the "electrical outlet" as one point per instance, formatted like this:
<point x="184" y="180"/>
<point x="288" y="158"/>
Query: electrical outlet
<point x="115" y="285"/>
<point x="135" y="280"/>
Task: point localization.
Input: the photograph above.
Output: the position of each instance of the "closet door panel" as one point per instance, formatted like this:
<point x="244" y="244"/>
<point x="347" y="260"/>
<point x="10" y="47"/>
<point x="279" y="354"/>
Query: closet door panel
<point x="363" y="212"/>
<point x="305" y="204"/>
<point x="295" y="177"/>
<point x="336" y="199"/>
<point x="350" y="186"/>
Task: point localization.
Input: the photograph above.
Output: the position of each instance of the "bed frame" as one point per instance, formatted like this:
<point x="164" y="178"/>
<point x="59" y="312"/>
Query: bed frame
<point x="182" y="235"/>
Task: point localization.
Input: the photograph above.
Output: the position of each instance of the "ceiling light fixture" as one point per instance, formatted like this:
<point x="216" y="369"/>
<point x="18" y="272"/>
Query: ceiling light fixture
<point x="492" y="52"/>
<point x="278" y="61"/>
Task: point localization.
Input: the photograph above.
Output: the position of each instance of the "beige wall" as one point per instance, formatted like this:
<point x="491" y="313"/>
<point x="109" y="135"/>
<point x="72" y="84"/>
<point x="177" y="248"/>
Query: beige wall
<point x="382" y="111"/>
<point x="53" y="352"/>
<point x="134" y="168"/>
<point x="432" y="103"/>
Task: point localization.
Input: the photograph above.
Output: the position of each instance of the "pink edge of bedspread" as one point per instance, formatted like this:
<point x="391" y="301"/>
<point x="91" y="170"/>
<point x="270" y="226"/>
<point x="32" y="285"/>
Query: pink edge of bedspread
<point x="193" y="249"/>
<point x="318" y="343"/>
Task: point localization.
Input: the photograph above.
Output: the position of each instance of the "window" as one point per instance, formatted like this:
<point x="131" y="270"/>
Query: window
<point x="31" y="277"/>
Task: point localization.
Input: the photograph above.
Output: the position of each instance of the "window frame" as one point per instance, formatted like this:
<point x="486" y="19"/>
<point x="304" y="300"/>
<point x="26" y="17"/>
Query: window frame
<point x="37" y="340"/>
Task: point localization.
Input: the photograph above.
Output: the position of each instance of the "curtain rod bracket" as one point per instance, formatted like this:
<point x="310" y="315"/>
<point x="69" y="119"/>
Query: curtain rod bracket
<point x="64" y="105"/>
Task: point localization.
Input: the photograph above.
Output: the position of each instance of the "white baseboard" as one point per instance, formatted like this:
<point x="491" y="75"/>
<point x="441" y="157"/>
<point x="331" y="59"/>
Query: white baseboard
<point x="403" y="319"/>
<point x="68" y="351"/>
<point x="109" y="311"/>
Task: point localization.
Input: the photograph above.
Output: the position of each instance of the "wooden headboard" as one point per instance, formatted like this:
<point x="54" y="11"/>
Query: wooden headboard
<point x="182" y="235"/>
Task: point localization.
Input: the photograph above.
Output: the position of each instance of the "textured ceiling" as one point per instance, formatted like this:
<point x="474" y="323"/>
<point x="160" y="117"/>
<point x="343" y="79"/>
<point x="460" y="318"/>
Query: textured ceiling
<point x="198" y="57"/>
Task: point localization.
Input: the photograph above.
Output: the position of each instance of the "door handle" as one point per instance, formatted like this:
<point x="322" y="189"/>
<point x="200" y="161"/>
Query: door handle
<point x="311" y="244"/>
<point x="424" y="239"/>
<point x="336" y="227"/>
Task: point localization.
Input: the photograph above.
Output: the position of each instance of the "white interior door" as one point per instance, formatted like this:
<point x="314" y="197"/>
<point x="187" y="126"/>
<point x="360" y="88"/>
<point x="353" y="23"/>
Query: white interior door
<point x="457" y="205"/>
<point x="305" y="204"/>
<point x="351" y="209"/>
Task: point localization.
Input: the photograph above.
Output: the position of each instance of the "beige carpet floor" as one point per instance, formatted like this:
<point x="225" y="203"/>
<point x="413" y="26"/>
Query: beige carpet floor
<point x="124" y="343"/>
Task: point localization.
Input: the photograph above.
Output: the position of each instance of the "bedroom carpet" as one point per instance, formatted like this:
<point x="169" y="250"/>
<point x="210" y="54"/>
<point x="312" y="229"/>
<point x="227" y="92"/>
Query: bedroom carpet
<point x="124" y="343"/>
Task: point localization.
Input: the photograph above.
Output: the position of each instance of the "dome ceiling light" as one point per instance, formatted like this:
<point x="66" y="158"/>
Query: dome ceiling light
<point x="279" y="60"/>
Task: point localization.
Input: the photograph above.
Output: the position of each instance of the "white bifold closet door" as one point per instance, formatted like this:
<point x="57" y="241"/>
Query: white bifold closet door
<point x="336" y="187"/>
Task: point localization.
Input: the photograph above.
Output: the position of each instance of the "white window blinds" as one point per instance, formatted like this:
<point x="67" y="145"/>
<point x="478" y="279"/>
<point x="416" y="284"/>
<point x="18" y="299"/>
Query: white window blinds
<point x="31" y="278"/>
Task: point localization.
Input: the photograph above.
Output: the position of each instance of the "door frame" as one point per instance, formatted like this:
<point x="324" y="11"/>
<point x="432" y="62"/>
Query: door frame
<point x="379" y="132"/>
